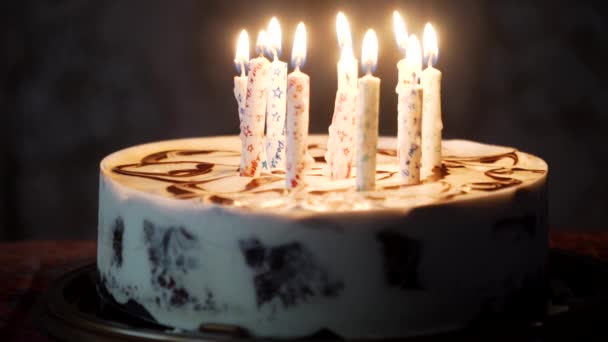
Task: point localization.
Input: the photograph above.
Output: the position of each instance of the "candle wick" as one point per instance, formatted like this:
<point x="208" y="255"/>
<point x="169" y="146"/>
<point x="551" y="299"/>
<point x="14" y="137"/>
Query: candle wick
<point x="369" y="69"/>
<point x="243" y="69"/>
<point x="430" y="61"/>
<point x="274" y="53"/>
<point x="403" y="47"/>
<point x="298" y="62"/>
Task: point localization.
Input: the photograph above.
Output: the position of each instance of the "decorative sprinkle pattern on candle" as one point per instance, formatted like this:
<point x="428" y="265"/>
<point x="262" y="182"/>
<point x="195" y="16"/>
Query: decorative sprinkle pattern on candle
<point x="342" y="134"/>
<point x="297" y="127"/>
<point x="276" y="106"/>
<point x="240" y="93"/>
<point x="367" y="133"/>
<point x="409" y="133"/>
<point x="275" y="118"/>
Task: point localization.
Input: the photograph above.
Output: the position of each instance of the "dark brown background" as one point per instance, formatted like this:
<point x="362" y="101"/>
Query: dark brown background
<point x="83" y="78"/>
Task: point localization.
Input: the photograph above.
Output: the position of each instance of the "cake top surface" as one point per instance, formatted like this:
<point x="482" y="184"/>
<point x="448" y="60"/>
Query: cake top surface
<point x="206" y="170"/>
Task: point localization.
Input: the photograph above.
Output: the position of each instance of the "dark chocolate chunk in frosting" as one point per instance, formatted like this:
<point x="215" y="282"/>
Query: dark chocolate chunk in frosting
<point x="118" y="231"/>
<point x="172" y="253"/>
<point x="287" y="273"/>
<point x="401" y="256"/>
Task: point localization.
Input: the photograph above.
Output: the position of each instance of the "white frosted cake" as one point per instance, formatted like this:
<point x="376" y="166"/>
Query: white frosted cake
<point x="189" y="243"/>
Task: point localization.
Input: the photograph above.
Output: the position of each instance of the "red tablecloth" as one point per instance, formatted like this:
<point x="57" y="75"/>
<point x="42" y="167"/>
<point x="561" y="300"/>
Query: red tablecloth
<point x="27" y="268"/>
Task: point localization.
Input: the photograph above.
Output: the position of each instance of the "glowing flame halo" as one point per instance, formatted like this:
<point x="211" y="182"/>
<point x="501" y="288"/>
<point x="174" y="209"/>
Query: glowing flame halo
<point x="262" y="43"/>
<point x="345" y="40"/>
<point x="414" y="55"/>
<point x="400" y="32"/>
<point x="274" y="37"/>
<point x="242" y="53"/>
<point x="298" y="52"/>
<point x="429" y="41"/>
<point x="369" y="52"/>
<point x="343" y="29"/>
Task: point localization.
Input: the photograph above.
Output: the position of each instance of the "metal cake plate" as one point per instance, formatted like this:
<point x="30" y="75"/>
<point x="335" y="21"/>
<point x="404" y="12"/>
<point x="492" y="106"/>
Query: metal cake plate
<point x="73" y="310"/>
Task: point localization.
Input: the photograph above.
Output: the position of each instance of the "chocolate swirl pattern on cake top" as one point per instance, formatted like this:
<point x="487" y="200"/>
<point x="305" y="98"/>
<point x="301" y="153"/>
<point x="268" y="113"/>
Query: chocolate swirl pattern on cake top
<point x="207" y="170"/>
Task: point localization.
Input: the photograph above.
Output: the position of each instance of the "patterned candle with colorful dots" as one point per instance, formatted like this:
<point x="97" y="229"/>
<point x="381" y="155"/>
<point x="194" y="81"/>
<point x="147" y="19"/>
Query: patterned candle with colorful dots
<point x="368" y="107"/>
<point x="277" y="98"/>
<point x="341" y="142"/>
<point x="298" y="101"/>
<point x="409" y="119"/>
<point x="432" y="124"/>
<point x="240" y="82"/>
<point x="253" y="154"/>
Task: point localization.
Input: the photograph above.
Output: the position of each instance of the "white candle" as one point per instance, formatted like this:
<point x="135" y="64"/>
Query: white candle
<point x="298" y="99"/>
<point x="432" y="124"/>
<point x="368" y="106"/>
<point x="277" y="98"/>
<point x="409" y="118"/>
<point x="253" y="155"/>
<point x="240" y="82"/>
<point x="341" y="142"/>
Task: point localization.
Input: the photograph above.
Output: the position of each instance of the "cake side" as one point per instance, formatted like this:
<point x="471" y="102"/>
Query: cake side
<point x="373" y="271"/>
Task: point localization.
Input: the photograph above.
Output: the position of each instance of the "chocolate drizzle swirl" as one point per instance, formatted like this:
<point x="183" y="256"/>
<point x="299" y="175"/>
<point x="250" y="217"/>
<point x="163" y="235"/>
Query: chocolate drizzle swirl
<point x="200" y="168"/>
<point x="212" y="175"/>
<point x="183" y="189"/>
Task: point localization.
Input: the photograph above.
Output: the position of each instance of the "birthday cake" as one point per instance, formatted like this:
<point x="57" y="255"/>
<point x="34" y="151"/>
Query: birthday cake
<point x="190" y="243"/>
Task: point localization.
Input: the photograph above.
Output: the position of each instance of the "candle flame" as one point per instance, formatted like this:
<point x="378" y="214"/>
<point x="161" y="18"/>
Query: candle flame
<point x="429" y="39"/>
<point x="242" y="52"/>
<point x="343" y="29"/>
<point x="369" y="53"/>
<point x="262" y="43"/>
<point x="400" y="31"/>
<point x="346" y="55"/>
<point x="298" y="53"/>
<point x="274" y="37"/>
<point x="414" y="55"/>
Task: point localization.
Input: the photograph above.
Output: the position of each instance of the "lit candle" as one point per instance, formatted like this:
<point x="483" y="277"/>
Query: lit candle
<point x="240" y="82"/>
<point x="410" y="116"/>
<point x="253" y="155"/>
<point x="431" y="105"/>
<point x="341" y="142"/>
<point x="402" y="42"/>
<point x="368" y="103"/>
<point x="298" y="95"/>
<point x="275" y="109"/>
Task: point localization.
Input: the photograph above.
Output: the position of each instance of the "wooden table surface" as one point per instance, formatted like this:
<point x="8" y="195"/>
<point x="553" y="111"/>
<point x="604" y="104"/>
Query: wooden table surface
<point x="27" y="268"/>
